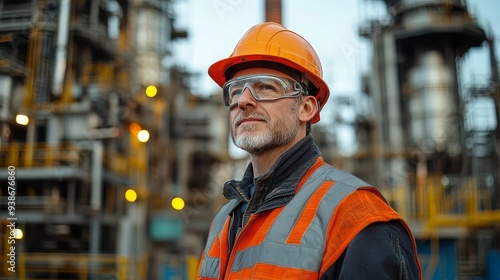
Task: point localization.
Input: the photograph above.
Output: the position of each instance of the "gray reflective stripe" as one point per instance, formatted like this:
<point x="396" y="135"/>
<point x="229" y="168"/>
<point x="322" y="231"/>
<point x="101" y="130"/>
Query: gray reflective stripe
<point x="342" y="177"/>
<point x="309" y="253"/>
<point x="280" y="254"/>
<point x="345" y="184"/>
<point x="210" y="265"/>
<point x="286" y="220"/>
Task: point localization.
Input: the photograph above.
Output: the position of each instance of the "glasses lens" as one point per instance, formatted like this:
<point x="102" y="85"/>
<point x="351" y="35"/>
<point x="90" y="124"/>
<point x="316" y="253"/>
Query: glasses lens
<point x="262" y="87"/>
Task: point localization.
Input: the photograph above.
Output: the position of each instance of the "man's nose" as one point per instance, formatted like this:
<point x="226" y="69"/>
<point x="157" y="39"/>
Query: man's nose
<point x="247" y="99"/>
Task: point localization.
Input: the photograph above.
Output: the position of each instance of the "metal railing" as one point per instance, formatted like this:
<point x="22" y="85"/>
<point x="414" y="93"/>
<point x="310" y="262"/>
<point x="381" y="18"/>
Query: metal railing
<point x="464" y="203"/>
<point x="98" y="74"/>
<point x="39" y="155"/>
<point x="81" y="265"/>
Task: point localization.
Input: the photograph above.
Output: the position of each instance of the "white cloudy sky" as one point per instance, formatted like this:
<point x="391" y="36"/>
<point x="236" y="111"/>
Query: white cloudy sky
<point x="331" y="26"/>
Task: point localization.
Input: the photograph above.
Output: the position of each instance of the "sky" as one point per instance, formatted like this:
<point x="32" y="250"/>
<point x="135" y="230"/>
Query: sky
<point x="331" y="26"/>
<point x="215" y="26"/>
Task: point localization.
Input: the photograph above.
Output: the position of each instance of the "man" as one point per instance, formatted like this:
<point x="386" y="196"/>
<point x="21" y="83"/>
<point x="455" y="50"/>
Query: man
<point x="293" y="216"/>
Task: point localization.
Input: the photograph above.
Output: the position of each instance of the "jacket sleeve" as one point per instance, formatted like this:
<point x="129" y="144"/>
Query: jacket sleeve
<point x="382" y="250"/>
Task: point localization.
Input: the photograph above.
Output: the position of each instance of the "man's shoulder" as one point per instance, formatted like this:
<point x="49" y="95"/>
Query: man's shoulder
<point x="340" y="177"/>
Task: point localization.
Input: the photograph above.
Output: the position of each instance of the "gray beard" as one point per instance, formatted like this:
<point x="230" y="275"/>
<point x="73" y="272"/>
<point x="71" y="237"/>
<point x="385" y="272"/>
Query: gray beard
<point x="280" y="134"/>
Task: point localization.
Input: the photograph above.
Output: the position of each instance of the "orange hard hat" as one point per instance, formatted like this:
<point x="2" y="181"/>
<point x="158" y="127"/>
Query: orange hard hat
<point x="271" y="42"/>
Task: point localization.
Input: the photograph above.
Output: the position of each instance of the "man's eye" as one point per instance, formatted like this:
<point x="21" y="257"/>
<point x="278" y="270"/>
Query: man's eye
<point x="236" y="92"/>
<point x="267" y="87"/>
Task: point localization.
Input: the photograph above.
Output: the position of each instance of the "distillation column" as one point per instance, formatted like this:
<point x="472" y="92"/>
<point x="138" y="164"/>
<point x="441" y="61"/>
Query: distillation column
<point x="435" y="34"/>
<point x="415" y="85"/>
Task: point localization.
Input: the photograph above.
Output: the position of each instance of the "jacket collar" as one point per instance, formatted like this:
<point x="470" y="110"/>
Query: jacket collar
<point x="282" y="178"/>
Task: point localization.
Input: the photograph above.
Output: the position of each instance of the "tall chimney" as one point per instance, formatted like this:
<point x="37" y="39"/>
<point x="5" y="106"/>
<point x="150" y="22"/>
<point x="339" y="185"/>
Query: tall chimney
<point x="273" y="11"/>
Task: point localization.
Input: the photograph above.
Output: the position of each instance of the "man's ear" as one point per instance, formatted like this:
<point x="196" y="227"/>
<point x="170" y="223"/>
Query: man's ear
<point x="308" y="108"/>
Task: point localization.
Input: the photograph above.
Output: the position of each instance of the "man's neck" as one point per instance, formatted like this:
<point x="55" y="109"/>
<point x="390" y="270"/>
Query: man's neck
<point x="263" y="162"/>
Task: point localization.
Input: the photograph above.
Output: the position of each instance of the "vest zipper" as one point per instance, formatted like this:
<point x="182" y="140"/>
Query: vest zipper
<point x="232" y="254"/>
<point x="230" y="246"/>
<point x="246" y="216"/>
<point x="241" y="229"/>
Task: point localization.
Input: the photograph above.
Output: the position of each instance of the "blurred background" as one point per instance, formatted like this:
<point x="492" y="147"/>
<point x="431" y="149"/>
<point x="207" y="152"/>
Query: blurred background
<point x="120" y="144"/>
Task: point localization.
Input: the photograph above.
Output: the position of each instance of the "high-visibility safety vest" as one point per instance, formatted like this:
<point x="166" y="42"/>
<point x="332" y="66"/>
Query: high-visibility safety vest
<point x="302" y="239"/>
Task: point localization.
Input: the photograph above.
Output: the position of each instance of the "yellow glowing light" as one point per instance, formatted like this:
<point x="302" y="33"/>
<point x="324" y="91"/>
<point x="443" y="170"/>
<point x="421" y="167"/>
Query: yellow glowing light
<point x="134" y="128"/>
<point x="130" y="195"/>
<point x="143" y="136"/>
<point x="22" y="119"/>
<point x="18" y="233"/>
<point x="151" y="91"/>
<point x="178" y="203"/>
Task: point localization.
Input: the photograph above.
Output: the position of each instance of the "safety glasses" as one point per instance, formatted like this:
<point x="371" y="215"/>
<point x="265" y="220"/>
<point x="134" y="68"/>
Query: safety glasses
<point x="263" y="88"/>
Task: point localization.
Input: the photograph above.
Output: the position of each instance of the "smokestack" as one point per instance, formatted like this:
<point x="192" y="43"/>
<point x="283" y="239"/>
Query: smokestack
<point x="273" y="11"/>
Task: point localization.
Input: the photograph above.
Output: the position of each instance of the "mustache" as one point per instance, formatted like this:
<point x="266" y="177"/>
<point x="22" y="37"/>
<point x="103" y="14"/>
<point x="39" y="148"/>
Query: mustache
<point x="252" y="115"/>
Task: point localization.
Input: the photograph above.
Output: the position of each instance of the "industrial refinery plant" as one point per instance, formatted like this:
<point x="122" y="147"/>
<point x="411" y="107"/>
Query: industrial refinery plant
<point x="429" y="140"/>
<point x="112" y="168"/>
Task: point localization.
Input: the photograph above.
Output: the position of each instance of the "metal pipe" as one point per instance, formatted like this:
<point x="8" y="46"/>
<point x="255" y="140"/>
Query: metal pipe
<point x="5" y="96"/>
<point x="96" y="173"/>
<point x="62" y="47"/>
<point x="273" y="10"/>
